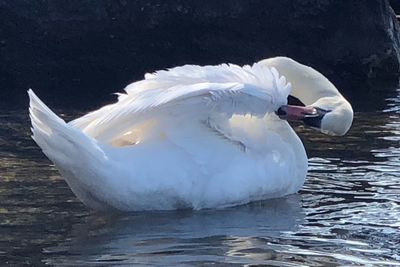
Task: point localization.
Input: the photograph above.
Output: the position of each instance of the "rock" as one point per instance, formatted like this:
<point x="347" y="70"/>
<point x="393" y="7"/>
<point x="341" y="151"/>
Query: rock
<point x="78" y="52"/>
<point x="395" y="5"/>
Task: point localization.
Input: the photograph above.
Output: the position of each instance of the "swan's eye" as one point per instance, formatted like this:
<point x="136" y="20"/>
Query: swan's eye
<point x="314" y="120"/>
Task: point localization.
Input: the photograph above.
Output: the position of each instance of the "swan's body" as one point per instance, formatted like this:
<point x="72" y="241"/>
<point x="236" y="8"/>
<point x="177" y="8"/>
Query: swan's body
<point x="191" y="137"/>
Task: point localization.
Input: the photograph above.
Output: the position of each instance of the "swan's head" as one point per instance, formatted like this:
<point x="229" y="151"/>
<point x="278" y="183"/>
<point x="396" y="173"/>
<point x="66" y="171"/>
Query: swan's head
<point x="325" y="108"/>
<point x="329" y="115"/>
<point x="338" y="118"/>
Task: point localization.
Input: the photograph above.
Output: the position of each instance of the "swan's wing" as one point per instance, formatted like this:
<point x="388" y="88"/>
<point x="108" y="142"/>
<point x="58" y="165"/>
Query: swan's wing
<point x="190" y="92"/>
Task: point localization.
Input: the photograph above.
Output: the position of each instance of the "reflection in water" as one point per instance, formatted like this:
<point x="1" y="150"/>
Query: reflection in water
<point x="183" y="236"/>
<point x="348" y="212"/>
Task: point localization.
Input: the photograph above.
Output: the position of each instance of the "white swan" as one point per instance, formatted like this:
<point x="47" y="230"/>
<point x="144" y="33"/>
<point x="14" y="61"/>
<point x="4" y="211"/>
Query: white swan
<point x="193" y="137"/>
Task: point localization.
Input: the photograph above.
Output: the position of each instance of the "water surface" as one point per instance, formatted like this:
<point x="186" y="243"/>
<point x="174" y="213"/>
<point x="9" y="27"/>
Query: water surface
<point x="348" y="212"/>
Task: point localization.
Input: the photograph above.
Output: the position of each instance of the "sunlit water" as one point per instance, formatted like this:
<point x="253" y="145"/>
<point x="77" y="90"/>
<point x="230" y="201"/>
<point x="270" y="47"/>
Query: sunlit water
<point x="348" y="212"/>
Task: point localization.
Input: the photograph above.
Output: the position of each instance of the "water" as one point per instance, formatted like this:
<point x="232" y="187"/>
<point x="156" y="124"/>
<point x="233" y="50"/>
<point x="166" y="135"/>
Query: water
<point x="348" y="212"/>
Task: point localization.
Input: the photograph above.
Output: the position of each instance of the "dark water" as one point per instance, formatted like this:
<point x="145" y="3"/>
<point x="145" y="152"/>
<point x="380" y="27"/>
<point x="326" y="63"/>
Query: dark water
<point x="348" y="212"/>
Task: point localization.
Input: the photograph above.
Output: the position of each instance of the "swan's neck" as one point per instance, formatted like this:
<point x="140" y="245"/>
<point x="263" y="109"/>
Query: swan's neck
<point x="314" y="89"/>
<point x="308" y="85"/>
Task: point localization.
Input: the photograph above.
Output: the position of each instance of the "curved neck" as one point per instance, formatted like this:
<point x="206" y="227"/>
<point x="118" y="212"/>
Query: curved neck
<point x="308" y="85"/>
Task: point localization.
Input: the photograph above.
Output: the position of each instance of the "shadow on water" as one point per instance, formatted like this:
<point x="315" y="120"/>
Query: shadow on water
<point x="347" y="213"/>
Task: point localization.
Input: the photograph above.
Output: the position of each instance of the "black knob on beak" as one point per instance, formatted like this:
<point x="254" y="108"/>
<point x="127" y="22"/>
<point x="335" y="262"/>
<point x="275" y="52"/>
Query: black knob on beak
<point x="281" y="112"/>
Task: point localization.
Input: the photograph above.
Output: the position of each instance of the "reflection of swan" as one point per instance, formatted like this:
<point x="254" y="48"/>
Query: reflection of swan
<point x="174" y="237"/>
<point x="197" y="137"/>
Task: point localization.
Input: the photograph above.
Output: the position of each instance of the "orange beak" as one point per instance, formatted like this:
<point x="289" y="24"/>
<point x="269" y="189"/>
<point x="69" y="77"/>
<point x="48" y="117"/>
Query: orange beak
<point x="296" y="113"/>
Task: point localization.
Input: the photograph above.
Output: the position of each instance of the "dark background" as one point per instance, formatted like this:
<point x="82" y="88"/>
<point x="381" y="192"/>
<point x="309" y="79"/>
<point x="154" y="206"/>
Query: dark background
<point x="76" y="53"/>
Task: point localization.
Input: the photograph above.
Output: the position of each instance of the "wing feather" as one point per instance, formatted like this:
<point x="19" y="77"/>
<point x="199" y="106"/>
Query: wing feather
<point x="190" y="91"/>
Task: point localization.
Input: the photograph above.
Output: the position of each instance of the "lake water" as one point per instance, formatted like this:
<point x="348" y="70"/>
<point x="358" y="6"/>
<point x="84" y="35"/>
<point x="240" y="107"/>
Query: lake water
<point x="348" y="212"/>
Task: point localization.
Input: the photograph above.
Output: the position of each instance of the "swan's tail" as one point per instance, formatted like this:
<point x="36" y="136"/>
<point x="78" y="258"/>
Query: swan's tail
<point x="62" y="143"/>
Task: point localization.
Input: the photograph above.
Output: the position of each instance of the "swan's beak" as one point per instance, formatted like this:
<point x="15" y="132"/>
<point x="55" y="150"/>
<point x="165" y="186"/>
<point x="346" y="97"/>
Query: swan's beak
<point x="296" y="113"/>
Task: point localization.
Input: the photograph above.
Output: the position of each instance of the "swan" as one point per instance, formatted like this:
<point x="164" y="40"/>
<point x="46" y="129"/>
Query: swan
<point x="194" y="137"/>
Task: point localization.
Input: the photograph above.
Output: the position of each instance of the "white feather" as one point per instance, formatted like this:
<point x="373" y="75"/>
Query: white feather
<point x="189" y="137"/>
<point x="199" y="91"/>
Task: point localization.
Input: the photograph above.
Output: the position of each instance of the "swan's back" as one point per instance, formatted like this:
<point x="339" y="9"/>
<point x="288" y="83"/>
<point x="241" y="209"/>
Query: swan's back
<point x="189" y="92"/>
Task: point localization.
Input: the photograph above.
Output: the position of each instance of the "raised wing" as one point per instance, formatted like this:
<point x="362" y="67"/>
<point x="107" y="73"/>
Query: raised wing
<point x="189" y="92"/>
